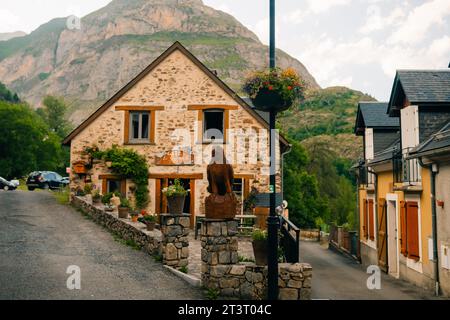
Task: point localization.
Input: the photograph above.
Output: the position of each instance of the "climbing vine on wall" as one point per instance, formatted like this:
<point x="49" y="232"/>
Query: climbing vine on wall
<point x="129" y="164"/>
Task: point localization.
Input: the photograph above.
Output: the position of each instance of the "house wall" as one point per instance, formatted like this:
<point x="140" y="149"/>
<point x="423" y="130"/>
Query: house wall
<point x="431" y="120"/>
<point x="174" y="84"/>
<point x="443" y="222"/>
<point x="383" y="139"/>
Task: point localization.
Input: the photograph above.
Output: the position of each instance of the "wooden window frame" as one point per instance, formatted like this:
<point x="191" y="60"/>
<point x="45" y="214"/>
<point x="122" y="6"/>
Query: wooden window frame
<point x="371" y="219"/>
<point x="226" y="120"/>
<point x="152" y="123"/>
<point x="106" y="177"/>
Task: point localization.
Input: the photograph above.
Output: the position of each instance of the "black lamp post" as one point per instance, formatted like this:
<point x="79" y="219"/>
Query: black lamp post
<point x="272" y="221"/>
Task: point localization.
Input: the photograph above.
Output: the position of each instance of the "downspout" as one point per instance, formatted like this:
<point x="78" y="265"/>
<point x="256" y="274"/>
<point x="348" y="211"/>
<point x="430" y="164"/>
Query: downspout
<point x="434" y="171"/>
<point x="376" y="209"/>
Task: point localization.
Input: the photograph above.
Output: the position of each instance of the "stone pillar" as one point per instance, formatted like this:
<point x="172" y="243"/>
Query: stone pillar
<point x="219" y="253"/>
<point x="175" y="243"/>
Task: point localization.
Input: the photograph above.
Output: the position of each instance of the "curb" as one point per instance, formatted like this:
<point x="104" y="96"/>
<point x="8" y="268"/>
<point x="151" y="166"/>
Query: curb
<point x="193" y="281"/>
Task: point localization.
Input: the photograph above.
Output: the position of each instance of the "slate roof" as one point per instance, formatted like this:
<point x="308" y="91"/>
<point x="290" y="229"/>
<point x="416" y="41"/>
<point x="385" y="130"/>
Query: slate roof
<point x="425" y="86"/>
<point x="374" y="115"/>
<point x="436" y="142"/>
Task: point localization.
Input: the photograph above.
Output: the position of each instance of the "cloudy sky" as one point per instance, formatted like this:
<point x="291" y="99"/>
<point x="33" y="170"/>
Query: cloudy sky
<point x="355" y="43"/>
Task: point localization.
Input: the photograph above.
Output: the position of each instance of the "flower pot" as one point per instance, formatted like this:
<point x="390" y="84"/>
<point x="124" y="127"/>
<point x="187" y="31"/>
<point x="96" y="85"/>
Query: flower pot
<point x="176" y="204"/>
<point x="260" y="252"/>
<point x="151" y="225"/>
<point x="123" y="212"/>
<point x="134" y="218"/>
<point x="271" y="100"/>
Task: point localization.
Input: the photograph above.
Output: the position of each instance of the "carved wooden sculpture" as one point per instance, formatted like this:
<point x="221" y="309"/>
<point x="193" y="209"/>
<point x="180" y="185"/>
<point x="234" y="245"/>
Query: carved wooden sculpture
<point x="221" y="203"/>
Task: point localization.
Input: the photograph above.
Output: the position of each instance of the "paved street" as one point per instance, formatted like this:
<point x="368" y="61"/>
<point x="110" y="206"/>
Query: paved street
<point x="338" y="277"/>
<point x="40" y="238"/>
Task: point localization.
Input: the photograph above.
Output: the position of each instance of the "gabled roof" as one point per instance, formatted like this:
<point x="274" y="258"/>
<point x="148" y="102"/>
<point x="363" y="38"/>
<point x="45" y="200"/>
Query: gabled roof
<point x="374" y="115"/>
<point x="420" y="87"/>
<point x="438" y="142"/>
<point x="176" y="46"/>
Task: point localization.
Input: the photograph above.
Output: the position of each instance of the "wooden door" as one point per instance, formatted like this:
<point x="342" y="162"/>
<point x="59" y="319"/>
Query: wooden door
<point x="382" y="235"/>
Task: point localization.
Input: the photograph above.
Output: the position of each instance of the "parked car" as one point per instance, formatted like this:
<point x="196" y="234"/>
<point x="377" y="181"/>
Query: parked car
<point x="45" y="180"/>
<point x="7" y="185"/>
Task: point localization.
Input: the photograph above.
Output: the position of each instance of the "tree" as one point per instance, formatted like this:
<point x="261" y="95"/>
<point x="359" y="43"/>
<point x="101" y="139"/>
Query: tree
<point x="26" y="143"/>
<point x="54" y="113"/>
<point x="6" y="95"/>
<point x="301" y="189"/>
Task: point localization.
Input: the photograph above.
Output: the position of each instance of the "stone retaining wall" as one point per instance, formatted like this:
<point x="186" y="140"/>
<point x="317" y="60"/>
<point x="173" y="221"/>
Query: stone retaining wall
<point x="175" y="243"/>
<point x="150" y="241"/>
<point x="221" y="270"/>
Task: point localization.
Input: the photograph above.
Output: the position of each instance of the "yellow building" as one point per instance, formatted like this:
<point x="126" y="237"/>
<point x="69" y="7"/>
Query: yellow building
<point x="397" y="228"/>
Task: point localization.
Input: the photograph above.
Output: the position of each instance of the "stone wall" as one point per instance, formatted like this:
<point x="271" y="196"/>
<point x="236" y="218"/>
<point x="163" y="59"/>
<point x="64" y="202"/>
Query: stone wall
<point x="150" y="241"/>
<point x="175" y="243"/>
<point x="222" y="272"/>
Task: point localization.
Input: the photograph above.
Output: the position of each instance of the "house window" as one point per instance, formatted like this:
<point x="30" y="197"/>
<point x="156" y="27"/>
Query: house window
<point x="213" y="125"/>
<point x="139" y="126"/>
<point x="113" y="186"/>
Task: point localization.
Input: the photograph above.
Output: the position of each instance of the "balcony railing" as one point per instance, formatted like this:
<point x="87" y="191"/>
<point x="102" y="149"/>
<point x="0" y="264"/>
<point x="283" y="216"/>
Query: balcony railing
<point x="405" y="170"/>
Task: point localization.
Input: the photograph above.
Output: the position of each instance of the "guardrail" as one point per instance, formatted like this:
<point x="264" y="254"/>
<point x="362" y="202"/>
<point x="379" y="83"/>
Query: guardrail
<point x="290" y="240"/>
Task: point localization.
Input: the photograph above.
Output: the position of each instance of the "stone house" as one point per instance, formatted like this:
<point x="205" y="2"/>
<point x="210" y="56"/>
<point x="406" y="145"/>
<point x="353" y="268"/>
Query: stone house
<point x="174" y="113"/>
<point x="396" y="201"/>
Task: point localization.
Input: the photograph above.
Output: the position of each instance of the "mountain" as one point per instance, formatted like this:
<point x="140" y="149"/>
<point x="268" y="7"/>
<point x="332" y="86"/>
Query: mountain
<point x="115" y="43"/>
<point x="326" y="115"/>
<point x="10" y="35"/>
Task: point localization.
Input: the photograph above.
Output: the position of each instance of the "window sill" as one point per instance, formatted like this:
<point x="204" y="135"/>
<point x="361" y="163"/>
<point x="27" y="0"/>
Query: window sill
<point x="211" y="142"/>
<point x="137" y="143"/>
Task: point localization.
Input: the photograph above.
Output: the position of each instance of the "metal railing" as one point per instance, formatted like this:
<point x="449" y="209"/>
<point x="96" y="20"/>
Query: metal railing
<point x="405" y="170"/>
<point x="290" y="240"/>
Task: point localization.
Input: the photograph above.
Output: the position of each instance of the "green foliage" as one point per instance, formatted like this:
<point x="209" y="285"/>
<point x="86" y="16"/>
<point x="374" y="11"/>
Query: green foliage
<point x="8" y="96"/>
<point x="87" y="188"/>
<point x="175" y="189"/>
<point x="149" y="218"/>
<point x="184" y="269"/>
<point x="258" y="234"/>
<point x="42" y="76"/>
<point x="54" y="113"/>
<point x="124" y="203"/>
<point x="212" y="294"/>
<point x="26" y="142"/>
<point x="129" y="164"/>
<point x="97" y="196"/>
<point x="63" y="195"/>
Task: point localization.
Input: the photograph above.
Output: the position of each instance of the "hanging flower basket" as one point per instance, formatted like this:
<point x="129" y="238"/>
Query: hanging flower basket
<point x="274" y="90"/>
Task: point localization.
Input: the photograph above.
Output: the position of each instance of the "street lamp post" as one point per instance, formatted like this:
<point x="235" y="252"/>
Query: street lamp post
<point x="272" y="221"/>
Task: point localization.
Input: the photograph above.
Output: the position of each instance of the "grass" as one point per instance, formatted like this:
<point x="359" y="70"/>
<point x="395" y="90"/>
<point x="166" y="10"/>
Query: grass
<point x="63" y="196"/>
<point x="184" y="269"/>
<point x="158" y="257"/>
<point x="128" y="242"/>
<point x="212" y="294"/>
<point x="245" y="259"/>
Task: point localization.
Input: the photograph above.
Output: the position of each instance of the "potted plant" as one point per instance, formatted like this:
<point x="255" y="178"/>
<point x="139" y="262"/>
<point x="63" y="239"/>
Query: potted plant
<point x="274" y="89"/>
<point x="150" y="221"/>
<point x="175" y="194"/>
<point x="134" y="216"/>
<point x="124" y="208"/>
<point x="96" y="197"/>
<point x="260" y="246"/>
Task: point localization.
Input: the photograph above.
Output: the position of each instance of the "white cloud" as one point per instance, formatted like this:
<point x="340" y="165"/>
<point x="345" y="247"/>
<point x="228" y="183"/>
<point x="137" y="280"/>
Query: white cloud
<point x="420" y="20"/>
<point x="377" y="21"/>
<point x="319" y="6"/>
<point x="10" y="22"/>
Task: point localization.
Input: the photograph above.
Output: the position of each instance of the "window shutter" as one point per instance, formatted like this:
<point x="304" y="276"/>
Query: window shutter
<point x="412" y="218"/>
<point x="365" y="219"/>
<point x="371" y="221"/>
<point x="403" y="241"/>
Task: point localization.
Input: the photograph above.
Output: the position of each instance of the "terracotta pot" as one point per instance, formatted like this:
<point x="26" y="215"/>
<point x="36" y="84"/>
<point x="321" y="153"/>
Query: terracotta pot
<point x="260" y="252"/>
<point x="123" y="212"/>
<point x="151" y="225"/>
<point x="134" y="218"/>
<point x="267" y="100"/>
<point x="176" y="204"/>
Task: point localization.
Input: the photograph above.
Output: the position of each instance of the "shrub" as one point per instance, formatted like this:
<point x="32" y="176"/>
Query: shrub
<point x="175" y="190"/>
<point x="258" y="234"/>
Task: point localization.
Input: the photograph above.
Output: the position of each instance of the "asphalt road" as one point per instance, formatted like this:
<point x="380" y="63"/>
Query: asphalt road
<point x="40" y="239"/>
<point x="337" y="277"/>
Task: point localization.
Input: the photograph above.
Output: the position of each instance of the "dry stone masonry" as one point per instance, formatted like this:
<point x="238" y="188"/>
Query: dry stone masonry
<point x="175" y="243"/>
<point x="222" y="272"/>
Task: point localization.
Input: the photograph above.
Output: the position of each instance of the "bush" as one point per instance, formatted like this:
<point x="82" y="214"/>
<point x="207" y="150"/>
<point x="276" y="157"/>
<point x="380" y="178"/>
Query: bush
<point x="258" y="234"/>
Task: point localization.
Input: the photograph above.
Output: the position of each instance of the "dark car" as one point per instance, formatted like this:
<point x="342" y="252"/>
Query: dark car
<point x="7" y="185"/>
<point x="45" y="180"/>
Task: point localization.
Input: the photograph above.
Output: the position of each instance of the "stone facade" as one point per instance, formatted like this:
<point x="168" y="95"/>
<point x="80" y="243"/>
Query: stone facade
<point x="221" y="270"/>
<point x="175" y="243"/>
<point x="175" y="84"/>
